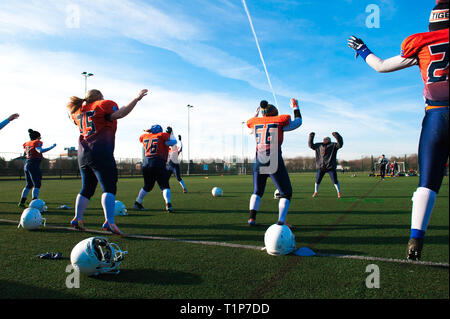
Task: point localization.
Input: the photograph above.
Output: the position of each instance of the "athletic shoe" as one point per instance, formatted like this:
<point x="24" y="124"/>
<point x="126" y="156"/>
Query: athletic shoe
<point x="22" y="205"/>
<point x="107" y="226"/>
<point x="252" y="222"/>
<point x="77" y="224"/>
<point x="414" y="251"/>
<point x="315" y="194"/>
<point x="169" y="208"/>
<point x="339" y="195"/>
<point x="138" y="206"/>
<point x="185" y="191"/>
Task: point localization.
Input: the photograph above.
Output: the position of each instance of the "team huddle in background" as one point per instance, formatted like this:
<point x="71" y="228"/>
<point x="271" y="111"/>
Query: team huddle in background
<point x="96" y="119"/>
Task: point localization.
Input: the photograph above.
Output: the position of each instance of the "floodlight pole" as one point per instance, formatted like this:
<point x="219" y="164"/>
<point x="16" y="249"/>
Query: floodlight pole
<point x="242" y="141"/>
<point x="189" y="137"/>
<point x="86" y="75"/>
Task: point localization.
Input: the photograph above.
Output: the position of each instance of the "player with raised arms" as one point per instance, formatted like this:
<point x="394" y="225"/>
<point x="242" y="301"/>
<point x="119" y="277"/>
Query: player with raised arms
<point x="33" y="157"/>
<point x="430" y="51"/>
<point x="156" y="147"/>
<point x="268" y="131"/>
<point x="8" y="120"/>
<point x="174" y="164"/>
<point x="96" y="119"/>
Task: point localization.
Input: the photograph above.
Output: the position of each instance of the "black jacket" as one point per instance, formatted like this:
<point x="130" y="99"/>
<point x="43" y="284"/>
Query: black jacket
<point x="326" y="153"/>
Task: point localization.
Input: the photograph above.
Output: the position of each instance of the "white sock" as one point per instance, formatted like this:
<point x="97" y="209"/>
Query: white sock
<point x="255" y="200"/>
<point x="166" y="195"/>
<point x="182" y="184"/>
<point x="35" y="192"/>
<point x="338" y="187"/>
<point x="25" y="192"/>
<point x="316" y="188"/>
<point x="109" y="204"/>
<point x="283" y="207"/>
<point x="423" y="202"/>
<point x="141" y="196"/>
<point x="81" y="204"/>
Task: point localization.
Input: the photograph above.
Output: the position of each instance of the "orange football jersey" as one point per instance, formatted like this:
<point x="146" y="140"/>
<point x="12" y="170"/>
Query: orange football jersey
<point x="30" y="149"/>
<point x="432" y="51"/>
<point x="155" y="144"/>
<point x="265" y="127"/>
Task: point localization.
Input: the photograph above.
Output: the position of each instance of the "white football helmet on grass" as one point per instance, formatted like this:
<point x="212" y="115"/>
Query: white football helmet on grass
<point x="217" y="192"/>
<point x="279" y="240"/>
<point x="120" y="209"/>
<point x="31" y="218"/>
<point x="96" y="255"/>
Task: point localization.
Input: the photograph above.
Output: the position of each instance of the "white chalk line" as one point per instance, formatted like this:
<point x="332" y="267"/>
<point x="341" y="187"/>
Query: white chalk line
<point x="259" y="248"/>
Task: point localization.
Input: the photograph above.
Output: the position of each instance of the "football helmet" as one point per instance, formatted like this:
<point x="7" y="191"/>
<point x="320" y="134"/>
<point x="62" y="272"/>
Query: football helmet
<point x="120" y="209"/>
<point x="279" y="240"/>
<point x="38" y="204"/>
<point x="96" y="255"/>
<point x="31" y="218"/>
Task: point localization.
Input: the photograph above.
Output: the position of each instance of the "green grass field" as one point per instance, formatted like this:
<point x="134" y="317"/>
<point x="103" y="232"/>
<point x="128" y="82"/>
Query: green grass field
<point x="372" y="219"/>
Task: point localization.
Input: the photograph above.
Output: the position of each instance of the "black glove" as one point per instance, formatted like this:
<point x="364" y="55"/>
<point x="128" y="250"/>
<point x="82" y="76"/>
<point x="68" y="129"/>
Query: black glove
<point x="312" y="134"/>
<point x="169" y="130"/>
<point x="179" y="137"/>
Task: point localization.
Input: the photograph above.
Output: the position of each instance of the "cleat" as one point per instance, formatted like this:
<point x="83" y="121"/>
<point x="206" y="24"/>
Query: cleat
<point x="414" y="251"/>
<point x="77" y="224"/>
<point x="22" y="205"/>
<point x="315" y="194"/>
<point x="169" y="208"/>
<point x="138" y="206"/>
<point x="184" y="191"/>
<point x="252" y="222"/>
<point x="339" y="195"/>
<point x="107" y="226"/>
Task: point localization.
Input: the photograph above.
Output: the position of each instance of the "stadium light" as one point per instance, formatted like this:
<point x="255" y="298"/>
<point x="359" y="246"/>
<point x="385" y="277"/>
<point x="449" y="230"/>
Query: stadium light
<point x="189" y="145"/>
<point x="86" y="75"/>
<point x="242" y="141"/>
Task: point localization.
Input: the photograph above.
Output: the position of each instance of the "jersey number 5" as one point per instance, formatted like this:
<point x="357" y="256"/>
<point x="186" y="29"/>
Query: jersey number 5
<point x="438" y="65"/>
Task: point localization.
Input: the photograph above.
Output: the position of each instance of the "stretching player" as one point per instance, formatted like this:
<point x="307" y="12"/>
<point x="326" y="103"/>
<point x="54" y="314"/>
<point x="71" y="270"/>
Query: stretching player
<point x="33" y="157"/>
<point x="174" y="163"/>
<point x="96" y="119"/>
<point x="326" y="160"/>
<point x="9" y="119"/>
<point x="430" y="51"/>
<point x="156" y="146"/>
<point x="269" y="130"/>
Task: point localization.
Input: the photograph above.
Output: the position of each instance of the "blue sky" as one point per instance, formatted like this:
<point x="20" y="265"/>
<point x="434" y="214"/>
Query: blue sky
<point x="202" y="52"/>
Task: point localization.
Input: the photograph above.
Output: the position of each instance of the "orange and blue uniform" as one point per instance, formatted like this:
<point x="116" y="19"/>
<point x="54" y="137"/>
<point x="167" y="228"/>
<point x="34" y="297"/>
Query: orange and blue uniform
<point x="269" y="134"/>
<point x="96" y="146"/>
<point x="156" y="151"/>
<point x="33" y="158"/>
<point x="432" y="51"/>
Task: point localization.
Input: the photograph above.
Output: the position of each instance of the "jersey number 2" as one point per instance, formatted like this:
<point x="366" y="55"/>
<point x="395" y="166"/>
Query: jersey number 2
<point x="438" y="65"/>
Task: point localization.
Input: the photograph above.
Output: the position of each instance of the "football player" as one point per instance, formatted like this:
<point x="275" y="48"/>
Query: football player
<point x="326" y="160"/>
<point x="96" y="119"/>
<point x="9" y="119"/>
<point x="174" y="163"/>
<point x="430" y="51"/>
<point x="156" y="147"/>
<point x="33" y="157"/>
<point x="268" y="131"/>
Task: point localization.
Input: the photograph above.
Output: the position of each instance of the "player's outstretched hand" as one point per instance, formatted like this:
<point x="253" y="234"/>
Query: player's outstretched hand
<point x="169" y="130"/>
<point x="334" y="133"/>
<point x="142" y="94"/>
<point x="13" y="116"/>
<point x="294" y="103"/>
<point x="312" y="134"/>
<point x="355" y="43"/>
